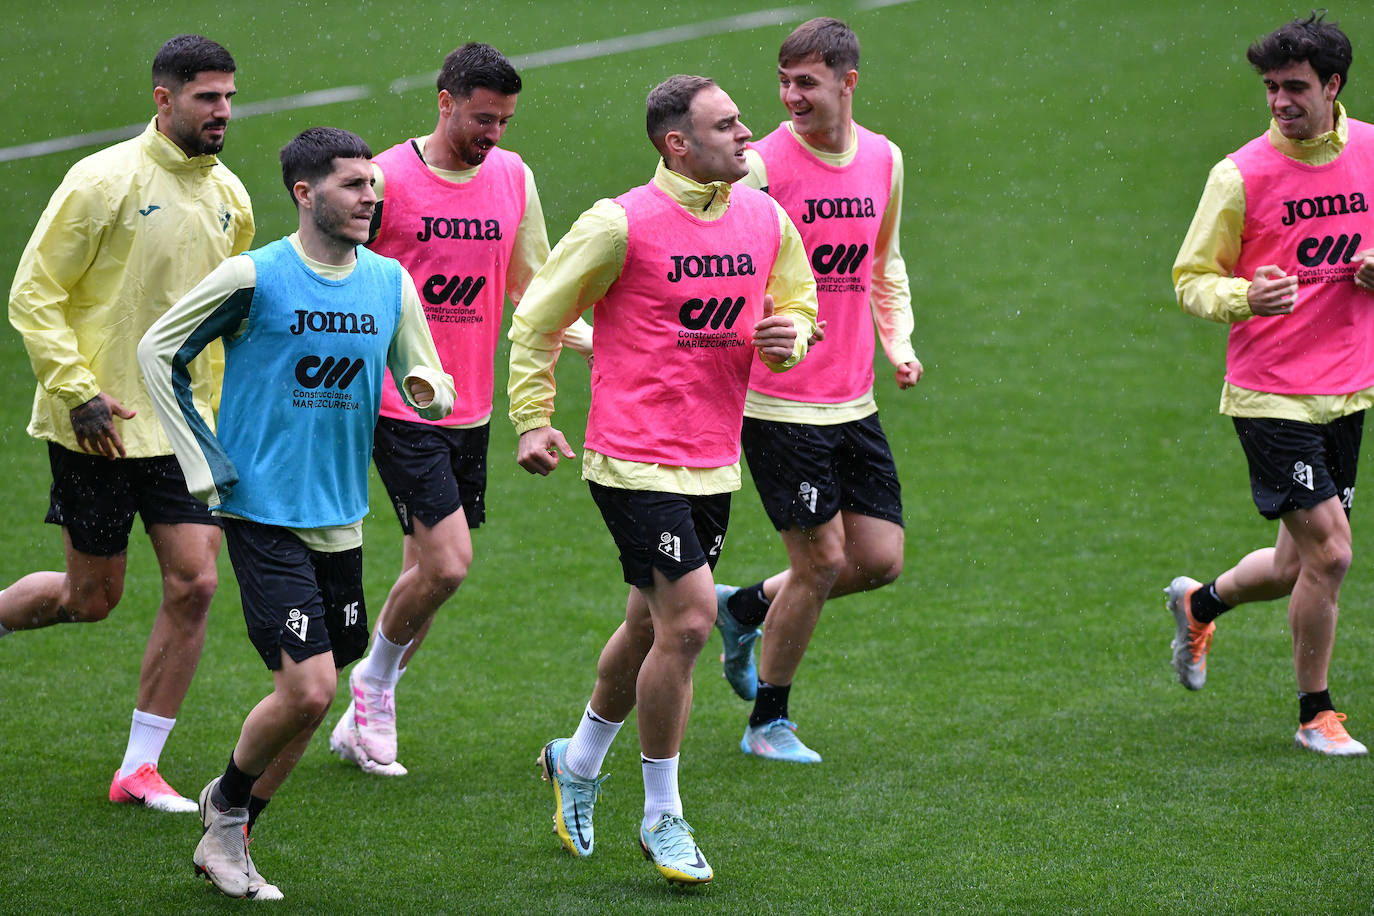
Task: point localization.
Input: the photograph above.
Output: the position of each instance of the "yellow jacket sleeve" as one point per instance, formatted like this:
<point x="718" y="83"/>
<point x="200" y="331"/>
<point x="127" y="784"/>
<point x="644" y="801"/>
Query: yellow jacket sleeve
<point x="579" y="271"/>
<point x="793" y="288"/>
<point x="890" y="297"/>
<point x="414" y="358"/>
<point x="1203" y="279"/>
<point x="63" y="245"/>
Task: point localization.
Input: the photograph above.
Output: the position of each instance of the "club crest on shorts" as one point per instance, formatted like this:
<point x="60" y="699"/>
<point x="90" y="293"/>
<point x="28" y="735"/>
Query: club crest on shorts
<point x="1302" y="473"/>
<point x="808" y="494"/>
<point x="670" y="545"/>
<point x="297" y="623"/>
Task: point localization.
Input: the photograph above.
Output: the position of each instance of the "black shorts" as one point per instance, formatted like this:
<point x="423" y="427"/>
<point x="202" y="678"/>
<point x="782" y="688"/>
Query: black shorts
<point x="667" y="531"/>
<point x="95" y="498"/>
<point x="806" y="473"/>
<point x="297" y="599"/>
<point x="1295" y="465"/>
<point x="430" y="472"/>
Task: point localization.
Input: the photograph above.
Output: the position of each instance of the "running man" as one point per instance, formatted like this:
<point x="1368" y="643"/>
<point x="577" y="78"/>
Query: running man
<point x="815" y="448"/>
<point x="309" y="324"/>
<point x="1269" y="252"/>
<point x="689" y="276"/>
<point x="462" y="216"/>
<point x="130" y="229"/>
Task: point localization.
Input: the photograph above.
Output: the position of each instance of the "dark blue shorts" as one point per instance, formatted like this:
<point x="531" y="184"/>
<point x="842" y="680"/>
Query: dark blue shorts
<point x="672" y="533"/>
<point x="95" y="498"/>
<point x="297" y="600"/>
<point x="430" y="472"/>
<point x="807" y="473"/>
<point x="1296" y="465"/>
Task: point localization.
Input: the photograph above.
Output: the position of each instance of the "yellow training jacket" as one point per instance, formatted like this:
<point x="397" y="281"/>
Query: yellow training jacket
<point x="128" y="232"/>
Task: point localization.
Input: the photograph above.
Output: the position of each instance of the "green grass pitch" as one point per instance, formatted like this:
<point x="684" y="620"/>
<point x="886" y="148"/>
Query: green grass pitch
<point x="1001" y="728"/>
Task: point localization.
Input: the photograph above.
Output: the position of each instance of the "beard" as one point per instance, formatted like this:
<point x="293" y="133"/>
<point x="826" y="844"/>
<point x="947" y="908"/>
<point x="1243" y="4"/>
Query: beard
<point x="196" y="140"/>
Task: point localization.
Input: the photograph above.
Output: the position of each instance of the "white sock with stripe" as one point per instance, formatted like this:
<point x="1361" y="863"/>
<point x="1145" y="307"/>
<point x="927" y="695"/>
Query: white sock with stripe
<point x="587" y="749"/>
<point x="660" y="789"/>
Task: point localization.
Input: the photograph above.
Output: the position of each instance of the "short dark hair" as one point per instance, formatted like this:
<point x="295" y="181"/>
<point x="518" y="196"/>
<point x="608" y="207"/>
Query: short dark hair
<point x="1322" y="44"/>
<point x="477" y="66"/>
<point x="668" y="104"/>
<point x="829" y="39"/>
<point x="182" y="58"/>
<point x="310" y="156"/>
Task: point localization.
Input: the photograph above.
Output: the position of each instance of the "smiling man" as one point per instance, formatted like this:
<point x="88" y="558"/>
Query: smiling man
<point x="310" y="324"/>
<point x="815" y="447"/>
<point x="1272" y="251"/>
<point x="464" y="218"/>
<point x="692" y="280"/>
<point x="131" y="229"/>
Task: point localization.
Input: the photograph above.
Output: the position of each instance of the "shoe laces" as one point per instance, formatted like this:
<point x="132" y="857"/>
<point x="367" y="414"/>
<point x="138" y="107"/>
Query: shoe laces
<point x="379" y="705"/>
<point x="673" y="837"/>
<point x="1329" y="721"/>
<point x="152" y="780"/>
<point x="747" y="638"/>
<point x="584" y="791"/>
<point x="1200" y="638"/>
<point x="781" y="733"/>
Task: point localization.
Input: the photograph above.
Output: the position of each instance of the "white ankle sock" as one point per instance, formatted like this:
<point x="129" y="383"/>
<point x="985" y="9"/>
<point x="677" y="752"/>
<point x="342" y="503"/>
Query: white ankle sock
<point x="147" y="735"/>
<point x="660" y="789"/>
<point x="589" y="744"/>
<point x="383" y="664"/>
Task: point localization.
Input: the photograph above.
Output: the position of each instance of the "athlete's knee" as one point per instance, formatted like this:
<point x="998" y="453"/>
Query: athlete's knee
<point x="310" y="701"/>
<point x="187" y="593"/>
<point x="443" y="574"/>
<point x="882" y="574"/>
<point x="88" y="603"/>
<point x="686" y="635"/>
<point x="819" y="562"/>
<point x="1334" y="559"/>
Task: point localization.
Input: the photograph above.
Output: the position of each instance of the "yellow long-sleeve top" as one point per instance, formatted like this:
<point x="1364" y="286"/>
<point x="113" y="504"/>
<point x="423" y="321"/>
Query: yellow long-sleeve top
<point x="580" y="271"/>
<point x="412" y="357"/>
<point x="529" y="253"/>
<point x="1206" y="286"/>
<point x="889" y="296"/>
<point x="127" y="233"/>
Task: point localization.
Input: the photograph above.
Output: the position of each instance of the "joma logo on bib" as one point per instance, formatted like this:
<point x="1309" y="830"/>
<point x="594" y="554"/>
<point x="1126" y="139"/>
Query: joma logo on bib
<point x="1330" y="205"/>
<point x="710" y="265"/>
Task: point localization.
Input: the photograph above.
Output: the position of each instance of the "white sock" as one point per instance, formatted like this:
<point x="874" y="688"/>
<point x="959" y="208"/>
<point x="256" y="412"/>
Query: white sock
<point x="588" y="746"/>
<point x="660" y="789"/>
<point x="147" y="735"/>
<point x="383" y="664"/>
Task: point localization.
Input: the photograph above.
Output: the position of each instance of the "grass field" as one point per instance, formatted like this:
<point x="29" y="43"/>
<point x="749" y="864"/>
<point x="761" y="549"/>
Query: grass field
<point x="1001" y="728"/>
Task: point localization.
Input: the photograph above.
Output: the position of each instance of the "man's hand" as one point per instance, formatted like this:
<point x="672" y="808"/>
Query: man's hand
<point x="908" y="374"/>
<point x="539" y="450"/>
<point x="1272" y="292"/>
<point x="775" y="336"/>
<point x="1364" y="277"/>
<point x="817" y="335"/>
<point x="93" y="423"/>
<point x="421" y="392"/>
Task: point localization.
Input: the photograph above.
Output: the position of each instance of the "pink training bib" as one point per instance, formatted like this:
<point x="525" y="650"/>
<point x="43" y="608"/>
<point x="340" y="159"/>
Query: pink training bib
<point x="456" y="241"/>
<point x="838" y="211"/>
<point x="672" y="345"/>
<point x="1310" y="221"/>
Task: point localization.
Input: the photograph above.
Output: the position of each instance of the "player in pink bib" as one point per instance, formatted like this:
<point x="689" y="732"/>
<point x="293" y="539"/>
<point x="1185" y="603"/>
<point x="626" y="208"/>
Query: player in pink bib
<point x="1275" y="250"/>
<point x="816" y="451"/>
<point x="693" y="280"/>
<point x="463" y="216"/>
